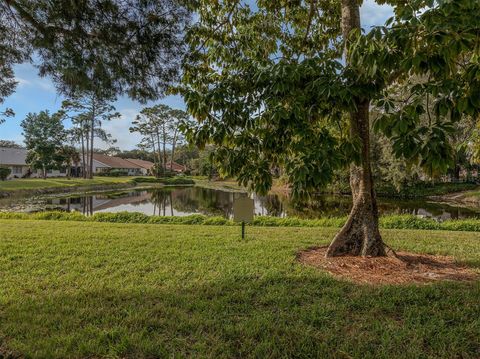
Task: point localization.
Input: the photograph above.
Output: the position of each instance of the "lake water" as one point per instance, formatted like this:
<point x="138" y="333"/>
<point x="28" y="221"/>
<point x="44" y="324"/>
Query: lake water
<point x="181" y="201"/>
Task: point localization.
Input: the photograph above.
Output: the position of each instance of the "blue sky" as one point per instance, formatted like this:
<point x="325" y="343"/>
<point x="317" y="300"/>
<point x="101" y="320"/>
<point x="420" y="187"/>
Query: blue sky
<point x="35" y="94"/>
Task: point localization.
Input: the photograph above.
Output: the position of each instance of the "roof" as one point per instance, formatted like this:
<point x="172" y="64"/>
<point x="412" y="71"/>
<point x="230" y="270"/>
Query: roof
<point x="176" y="166"/>
<point x="141" y="163"/>
<point x="114" y="162"/>
<point x="13" y="156"/>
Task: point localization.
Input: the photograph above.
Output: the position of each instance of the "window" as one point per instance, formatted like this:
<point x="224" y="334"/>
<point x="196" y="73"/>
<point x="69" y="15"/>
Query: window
<point x="49" y="171"/>
<point x="63" y="170"/>
<point x="17" y="170"/>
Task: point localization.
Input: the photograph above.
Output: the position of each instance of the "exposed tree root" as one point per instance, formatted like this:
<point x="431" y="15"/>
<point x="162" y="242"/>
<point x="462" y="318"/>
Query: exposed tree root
<point x="403" y="268"/>
<point x="360" y="235"/>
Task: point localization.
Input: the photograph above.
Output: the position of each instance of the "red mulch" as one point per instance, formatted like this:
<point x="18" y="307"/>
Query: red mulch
<point x="406" y="268"/>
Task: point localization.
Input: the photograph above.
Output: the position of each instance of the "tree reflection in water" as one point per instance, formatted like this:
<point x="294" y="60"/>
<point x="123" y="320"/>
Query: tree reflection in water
<point x="180" y="201"/>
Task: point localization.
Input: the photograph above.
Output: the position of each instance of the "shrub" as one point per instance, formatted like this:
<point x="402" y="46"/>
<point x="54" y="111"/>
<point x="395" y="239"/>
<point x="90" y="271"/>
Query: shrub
<point x="158" y="171"/>
<point x="408" y="222"/>
<point x="113" y="173"/>
<point x="120" y="217"/>
<point x="4" y="173"/>
<point x="169" y="181"/>
<point x="389" y="222"/>
<point x="60" y="216"/>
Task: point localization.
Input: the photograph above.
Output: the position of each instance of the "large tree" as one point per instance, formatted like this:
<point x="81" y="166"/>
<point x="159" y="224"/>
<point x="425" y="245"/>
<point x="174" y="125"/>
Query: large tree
<point x="160" y="126"/>
<point x="292" y="83"/>
<point x="90" y="110"/>
<point x="113" y="46"/>
<point x="44" y="135"/>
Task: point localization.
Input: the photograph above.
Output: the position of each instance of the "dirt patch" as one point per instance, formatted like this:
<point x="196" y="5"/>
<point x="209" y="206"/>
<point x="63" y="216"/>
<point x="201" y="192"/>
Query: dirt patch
<point x="406" y="268"/>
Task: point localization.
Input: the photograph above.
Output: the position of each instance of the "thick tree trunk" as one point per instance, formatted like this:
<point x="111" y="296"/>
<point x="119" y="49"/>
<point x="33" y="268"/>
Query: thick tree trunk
<point x="360" y="234"/>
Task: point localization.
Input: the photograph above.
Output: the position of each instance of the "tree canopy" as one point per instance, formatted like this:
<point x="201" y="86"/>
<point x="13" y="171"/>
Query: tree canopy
<point x="88" y="112"/>
<point x="44" y="135"/>
<point x="114" y="46"/>
<point x="269" y="84"/>
<point x="160" y="126"/>
<point x="292" y="84"/>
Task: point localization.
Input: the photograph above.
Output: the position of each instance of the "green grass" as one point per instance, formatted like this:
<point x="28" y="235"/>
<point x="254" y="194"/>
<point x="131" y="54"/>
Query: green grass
<point x="417" y="190"/>
<point x="426" y="189"/>
<point x="49" y="183"/>
<point x="86" y="289"/>
<point x="224" y="185"/>
<point x="387" y="222"/>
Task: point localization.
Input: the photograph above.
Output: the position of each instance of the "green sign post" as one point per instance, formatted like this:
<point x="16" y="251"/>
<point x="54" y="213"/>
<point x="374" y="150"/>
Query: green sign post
<point x="243" y="209"/>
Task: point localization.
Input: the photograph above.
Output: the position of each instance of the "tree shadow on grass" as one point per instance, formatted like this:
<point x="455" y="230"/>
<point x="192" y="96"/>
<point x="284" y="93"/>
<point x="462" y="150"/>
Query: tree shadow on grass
<point x="304" y="316"/>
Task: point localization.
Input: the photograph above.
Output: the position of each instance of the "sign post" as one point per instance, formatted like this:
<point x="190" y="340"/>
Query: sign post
<point x="243" y="209"/>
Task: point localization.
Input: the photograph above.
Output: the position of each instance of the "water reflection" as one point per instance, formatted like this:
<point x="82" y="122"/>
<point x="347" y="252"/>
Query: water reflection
<point x="189" y="200"/>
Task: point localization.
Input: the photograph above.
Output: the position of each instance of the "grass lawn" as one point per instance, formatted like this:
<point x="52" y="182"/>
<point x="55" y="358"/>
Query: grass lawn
<point x="84" y="289"/>
<point x="225" y="185"/>
<point x="38" y="183"/>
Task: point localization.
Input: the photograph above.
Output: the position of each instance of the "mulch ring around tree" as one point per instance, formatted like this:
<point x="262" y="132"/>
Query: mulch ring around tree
<point x="405" y="268"/>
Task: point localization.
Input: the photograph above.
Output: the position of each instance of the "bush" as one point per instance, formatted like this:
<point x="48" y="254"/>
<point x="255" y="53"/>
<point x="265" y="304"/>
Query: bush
<point x="158" y="171"/>
<point x="120" y="217"/>
<point x="169" y="181"/>
<point x="4" y="173"/>
<point x="388" y="222"/>
<point x="409" y="222"/>
<point x="113" y="173"/>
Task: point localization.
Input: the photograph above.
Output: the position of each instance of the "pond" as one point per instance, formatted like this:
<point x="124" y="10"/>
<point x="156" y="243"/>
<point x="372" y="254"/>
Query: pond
<point x="182" y="201"/>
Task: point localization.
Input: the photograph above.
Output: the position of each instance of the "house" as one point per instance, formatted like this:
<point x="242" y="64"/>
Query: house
<point x="176" y="167"/>
<point x="15" y="159"/>
<point x="104" y="163"/>
<point x="145" y="166"/>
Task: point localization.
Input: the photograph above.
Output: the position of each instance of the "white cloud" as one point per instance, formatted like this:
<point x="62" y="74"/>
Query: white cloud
<point x="42" y="84"/>
<point x="373" y="14"/>
<point x="22" y="82"/>
<point x="45" y="85"/>
<point x="119" y="129"/>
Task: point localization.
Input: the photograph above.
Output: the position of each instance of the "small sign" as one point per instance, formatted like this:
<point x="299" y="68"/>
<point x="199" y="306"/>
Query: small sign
<point x="243" y="209"/>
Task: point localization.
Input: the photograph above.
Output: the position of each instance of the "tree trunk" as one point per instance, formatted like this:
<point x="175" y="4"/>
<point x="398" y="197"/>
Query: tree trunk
<point x="87" y="149"/>
<point x="156" y="164"/>
<point x="174" y="143"/>
<point x="159" y="152"/>
<point x="456" y="172"/>
<point x="360" y="235"/>
<point x="164" y="150"/>
<point x="84" y="175"/>
<point x="92" y="136"/>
